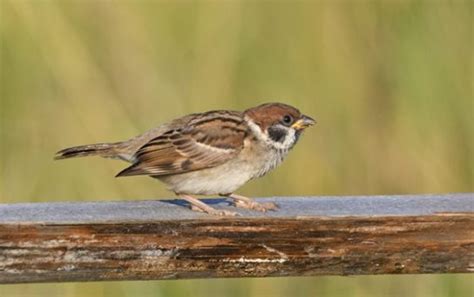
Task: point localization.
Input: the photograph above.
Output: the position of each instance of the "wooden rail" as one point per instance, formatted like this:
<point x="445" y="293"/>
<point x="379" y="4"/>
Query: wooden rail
<point x="91" y="241"/>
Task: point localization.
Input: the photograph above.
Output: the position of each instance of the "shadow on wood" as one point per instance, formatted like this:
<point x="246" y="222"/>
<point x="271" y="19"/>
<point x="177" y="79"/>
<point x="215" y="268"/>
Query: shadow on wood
<point x="91" y="241"/>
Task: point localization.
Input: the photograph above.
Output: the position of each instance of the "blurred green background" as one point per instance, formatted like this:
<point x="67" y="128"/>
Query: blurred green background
<point x="390" y="83"/>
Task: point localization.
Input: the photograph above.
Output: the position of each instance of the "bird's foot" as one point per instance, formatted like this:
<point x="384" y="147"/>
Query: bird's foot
<point x="245" y="202"/>
<point x="263" y="207"/>
<point x="198" y="205"/>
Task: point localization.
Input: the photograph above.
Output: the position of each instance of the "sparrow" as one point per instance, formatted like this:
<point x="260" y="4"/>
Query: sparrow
<point x="210" y="153"/>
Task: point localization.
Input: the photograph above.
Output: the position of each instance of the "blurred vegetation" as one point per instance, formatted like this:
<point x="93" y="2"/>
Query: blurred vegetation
<point x="390" y="83"/>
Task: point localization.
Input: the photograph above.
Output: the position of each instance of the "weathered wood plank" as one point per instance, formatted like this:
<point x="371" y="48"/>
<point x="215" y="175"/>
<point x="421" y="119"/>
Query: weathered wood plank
<point x="90" y="241"/>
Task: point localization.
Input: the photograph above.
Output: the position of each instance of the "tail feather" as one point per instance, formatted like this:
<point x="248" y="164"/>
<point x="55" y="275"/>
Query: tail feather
<point x="98" y="149"/>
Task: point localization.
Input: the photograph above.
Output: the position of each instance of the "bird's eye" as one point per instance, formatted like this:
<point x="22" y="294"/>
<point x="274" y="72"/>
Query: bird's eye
<point x="287" y="120"/>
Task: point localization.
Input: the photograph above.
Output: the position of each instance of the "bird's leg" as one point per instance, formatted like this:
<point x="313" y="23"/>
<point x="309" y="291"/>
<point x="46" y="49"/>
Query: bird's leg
<point x="198" y="205"/>
<point x="245" y="202"/>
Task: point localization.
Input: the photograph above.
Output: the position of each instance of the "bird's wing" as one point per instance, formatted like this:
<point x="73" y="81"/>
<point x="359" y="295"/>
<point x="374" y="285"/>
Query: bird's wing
<point x="207" y="140"/>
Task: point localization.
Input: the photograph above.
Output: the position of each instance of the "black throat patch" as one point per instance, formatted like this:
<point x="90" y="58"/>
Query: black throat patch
<point x="277" y="134"/>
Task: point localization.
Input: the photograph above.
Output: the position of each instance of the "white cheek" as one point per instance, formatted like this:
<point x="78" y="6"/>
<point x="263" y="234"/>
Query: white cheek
<point x="263" y="136"/>
<point x="287" y="143"/>
<point x="289" y="139"/>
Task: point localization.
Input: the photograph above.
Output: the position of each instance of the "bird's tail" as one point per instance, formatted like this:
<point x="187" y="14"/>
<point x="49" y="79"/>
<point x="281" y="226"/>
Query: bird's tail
<point x="106" y="150"/>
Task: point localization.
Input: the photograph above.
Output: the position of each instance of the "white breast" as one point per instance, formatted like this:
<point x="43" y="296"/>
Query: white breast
<point x="223" y="179"/>
<point x="272" y="159"/>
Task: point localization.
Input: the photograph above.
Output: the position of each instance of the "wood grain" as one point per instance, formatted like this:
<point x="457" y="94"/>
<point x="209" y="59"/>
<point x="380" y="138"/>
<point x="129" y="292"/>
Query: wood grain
<point x="55" y="242"/>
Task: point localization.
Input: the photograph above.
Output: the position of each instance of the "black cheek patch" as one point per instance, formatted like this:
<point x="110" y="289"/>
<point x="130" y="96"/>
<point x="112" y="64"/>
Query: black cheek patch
<point x="277" y="134"/>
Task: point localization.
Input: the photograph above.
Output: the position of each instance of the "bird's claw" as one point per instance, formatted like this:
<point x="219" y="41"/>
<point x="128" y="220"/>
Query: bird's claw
<point x="263" y="207"/>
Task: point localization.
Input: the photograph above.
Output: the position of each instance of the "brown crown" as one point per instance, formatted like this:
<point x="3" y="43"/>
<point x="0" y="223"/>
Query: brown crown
<point x="269" y="113"/>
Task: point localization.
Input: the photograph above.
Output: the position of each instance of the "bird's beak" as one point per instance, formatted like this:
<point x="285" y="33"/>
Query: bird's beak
<point x="303" y="123"/>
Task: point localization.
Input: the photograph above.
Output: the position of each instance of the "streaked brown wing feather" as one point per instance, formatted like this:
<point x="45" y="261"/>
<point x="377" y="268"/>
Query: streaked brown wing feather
<point x="208" y="140"/>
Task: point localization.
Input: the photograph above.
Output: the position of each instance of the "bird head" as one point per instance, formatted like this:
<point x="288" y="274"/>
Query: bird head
<point x="277" y="124"/>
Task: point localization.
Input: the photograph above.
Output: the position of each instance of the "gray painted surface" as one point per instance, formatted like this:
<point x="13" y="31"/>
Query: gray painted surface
<point x="290" y="207"/>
